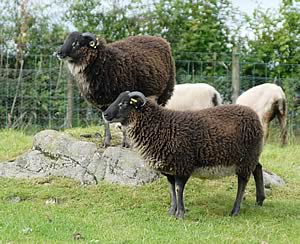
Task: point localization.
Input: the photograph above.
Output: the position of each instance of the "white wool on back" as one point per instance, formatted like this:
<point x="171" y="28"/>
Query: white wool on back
<point x="261" y="98"/>
<point x="193" y="96"/>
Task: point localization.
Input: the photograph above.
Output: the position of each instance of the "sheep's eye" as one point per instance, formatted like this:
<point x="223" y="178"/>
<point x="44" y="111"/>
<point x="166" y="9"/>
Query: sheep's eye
<point x="122" y="105"/>
<point x="75" y="44"/>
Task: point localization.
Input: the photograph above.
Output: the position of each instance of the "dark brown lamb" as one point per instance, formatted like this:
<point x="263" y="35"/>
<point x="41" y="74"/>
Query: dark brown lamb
<point x="209" y="143"/>
<point x="103" y="71"/>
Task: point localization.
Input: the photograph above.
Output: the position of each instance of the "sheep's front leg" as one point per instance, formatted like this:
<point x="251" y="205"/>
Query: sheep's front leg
<point x="180" y="182"/>
<point x="107" y="135"/>
<point x="242" y="182"/>
<point x="125" y="142"/>
<point x="173" y="200"/>
<point x="265" y="125"/>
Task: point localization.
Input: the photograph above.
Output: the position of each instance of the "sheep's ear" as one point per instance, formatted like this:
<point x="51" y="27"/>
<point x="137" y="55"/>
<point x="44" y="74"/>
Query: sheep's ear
<point x="137" y="99"/>
<point x="133" y="101"/>
<point x="136" y="102"/>
<point x="90" y="39"/>
<point x="93" y="44"/>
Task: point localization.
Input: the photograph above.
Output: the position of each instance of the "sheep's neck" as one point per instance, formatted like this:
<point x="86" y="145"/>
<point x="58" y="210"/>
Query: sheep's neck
<point x="149" y="114"/>
<point x="150" y="123"/>
<point x="155" y="134"/>
<point x="96" y="84"/>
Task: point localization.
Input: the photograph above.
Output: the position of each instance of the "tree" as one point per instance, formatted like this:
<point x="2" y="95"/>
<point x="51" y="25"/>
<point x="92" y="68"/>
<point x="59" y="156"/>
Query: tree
<point x="28" y="35"/>
<point x="197" y="26"/>
<point x="276" y="40"/>
<point x="111" y="20"/>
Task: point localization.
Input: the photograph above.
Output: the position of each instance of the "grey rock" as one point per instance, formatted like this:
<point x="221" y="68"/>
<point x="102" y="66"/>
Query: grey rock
<point x="126" y="167"/>
<point x="272" y="179"/>
<point x="26" y="230"/>
<point x="58" y="154"/>
<point x="58" y="144"/>
<point x="15" y="199"/>
<point x="52" y="201"/>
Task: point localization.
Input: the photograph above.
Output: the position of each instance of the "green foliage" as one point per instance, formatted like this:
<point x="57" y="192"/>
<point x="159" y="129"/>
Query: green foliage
<point x="30" y="27"/>
<point x="31" y="30"/>
<point x="84" y="16"/>
<point x="193" y="26"/>
<point x="100" y="17"/>
<point x="188" y="25"/>
<point x="276" y="41"/>
<point x="44" y="36"/>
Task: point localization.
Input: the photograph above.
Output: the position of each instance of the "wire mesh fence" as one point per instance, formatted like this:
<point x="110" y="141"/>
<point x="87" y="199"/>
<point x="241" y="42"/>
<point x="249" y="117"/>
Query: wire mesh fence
<point x="38" y="91"/>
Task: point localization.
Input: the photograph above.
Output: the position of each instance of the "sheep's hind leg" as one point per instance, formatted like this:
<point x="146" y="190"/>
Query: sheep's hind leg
<point x="173" y="200"/>
<point x="180" y="184"/>
<point x="284" y="132"/>
<point x="107" y="135"/>
<point x="259" y="183"/>
<point x="242" y="182"/>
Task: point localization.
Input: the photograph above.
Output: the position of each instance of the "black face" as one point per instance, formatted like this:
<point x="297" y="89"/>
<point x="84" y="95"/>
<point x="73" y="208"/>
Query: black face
<point x="71" y="50"/>
<point x="119" y="110"/>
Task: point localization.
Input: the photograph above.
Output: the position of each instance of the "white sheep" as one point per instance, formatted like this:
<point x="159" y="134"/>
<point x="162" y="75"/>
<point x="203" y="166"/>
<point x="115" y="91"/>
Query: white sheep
<point x="194" y="96"/>
<point x="268" y="101"/>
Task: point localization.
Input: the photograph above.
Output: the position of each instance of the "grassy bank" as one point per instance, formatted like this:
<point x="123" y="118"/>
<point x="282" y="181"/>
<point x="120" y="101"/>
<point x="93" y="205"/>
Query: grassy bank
<point x="13" y="143"/>
<point x="61" y="210"/>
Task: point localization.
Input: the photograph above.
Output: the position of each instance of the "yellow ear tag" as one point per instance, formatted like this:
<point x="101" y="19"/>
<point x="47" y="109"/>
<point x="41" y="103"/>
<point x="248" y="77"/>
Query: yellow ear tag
<point x="132" y="101"/>
<point x="93" y="44"/>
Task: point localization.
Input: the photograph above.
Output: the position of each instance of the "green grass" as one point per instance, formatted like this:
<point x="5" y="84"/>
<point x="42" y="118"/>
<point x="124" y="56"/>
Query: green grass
<point x="95" y="134"/>
<point x="108" y="213"/>
<point x="13" y="143"/>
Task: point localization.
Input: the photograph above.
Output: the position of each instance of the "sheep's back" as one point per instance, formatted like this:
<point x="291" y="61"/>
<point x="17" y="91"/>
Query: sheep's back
<point x="179" y="142"/>
<point x="230" y="134"/>
<point x="150" y="65"/>
<point x="194" y="96"/>
<point x="261" y="98"/>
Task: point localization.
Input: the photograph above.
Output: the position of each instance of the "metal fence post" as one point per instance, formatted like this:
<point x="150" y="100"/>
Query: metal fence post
<point x="70" y="97"/>
<point x="235" y="74"/>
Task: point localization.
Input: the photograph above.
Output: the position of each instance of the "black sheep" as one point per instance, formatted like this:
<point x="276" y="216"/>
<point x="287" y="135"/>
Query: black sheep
<point x="103" y="71"/>
<point x="208" y="143"/>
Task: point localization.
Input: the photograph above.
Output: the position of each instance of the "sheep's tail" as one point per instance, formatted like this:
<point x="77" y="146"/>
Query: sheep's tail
<point x="216" y="100"/>
<point x="282" y="118"/>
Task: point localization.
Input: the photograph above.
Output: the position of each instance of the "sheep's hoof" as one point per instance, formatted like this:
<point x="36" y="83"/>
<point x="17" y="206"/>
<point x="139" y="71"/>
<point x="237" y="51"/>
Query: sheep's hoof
<point x="260" y="200"/>
<point x="172" y="211"/>
<point x="106" y="143"/>
<point x="179" y="214"/>
<point x="259" y="203"/>
<point x="125" y="144"/>
<point x="234" y="213"/>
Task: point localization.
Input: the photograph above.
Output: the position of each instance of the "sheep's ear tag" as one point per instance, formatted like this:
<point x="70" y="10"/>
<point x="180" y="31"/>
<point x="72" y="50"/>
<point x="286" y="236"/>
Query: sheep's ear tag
<point x="132" y="101"/>
<point x="93" y="44"/>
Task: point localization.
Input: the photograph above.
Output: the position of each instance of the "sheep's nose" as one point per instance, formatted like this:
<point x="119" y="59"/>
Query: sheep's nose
<point x="106" y="115"/>
<point x="59" y="54"/>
